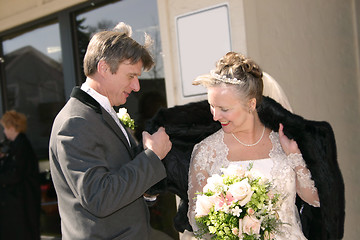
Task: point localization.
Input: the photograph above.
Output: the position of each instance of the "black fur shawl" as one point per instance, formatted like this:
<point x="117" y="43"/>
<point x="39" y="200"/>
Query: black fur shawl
<point x="189" y="124"/>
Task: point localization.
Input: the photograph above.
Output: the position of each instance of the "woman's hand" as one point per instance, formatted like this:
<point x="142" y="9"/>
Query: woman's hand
<point x="288" y="145"/>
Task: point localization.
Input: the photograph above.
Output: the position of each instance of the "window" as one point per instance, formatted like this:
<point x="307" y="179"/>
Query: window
<point x="141" y="15"/>
<point x="35" y="86"/>
<point x="34" y="80"/>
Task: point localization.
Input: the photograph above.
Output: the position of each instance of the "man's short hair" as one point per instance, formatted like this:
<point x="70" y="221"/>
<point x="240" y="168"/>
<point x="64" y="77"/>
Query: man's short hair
<point x="114" y="47"/>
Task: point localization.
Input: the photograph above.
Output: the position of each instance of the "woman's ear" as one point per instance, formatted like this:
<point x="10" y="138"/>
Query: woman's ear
<point x="252" y="104"/>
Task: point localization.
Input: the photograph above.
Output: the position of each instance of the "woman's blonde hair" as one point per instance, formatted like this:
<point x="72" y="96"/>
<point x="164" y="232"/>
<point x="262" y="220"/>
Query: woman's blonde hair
<point x="14" y="119"/>
<point x="239" y="71"/>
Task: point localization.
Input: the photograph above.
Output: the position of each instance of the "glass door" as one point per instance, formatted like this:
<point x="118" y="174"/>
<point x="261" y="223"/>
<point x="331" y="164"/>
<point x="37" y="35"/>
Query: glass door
<point x="34" y="85"/>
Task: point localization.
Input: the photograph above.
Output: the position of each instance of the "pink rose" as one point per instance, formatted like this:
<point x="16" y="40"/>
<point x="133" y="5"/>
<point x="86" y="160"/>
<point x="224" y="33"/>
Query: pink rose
<point x="241" y="191"/>
<point x="250" y="211"/>
<point x="249" y="225"/>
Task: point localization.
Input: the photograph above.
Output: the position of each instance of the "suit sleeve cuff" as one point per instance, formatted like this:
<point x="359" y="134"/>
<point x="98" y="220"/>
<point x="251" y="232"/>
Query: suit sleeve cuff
<point x="150" y="154"/>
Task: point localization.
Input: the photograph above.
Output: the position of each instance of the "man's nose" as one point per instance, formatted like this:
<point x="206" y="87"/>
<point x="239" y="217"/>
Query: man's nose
<point x="135" y="84"/>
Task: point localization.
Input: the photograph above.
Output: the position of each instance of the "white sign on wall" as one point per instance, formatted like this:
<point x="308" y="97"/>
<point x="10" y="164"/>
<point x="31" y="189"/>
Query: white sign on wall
<point x="203" y="37"/>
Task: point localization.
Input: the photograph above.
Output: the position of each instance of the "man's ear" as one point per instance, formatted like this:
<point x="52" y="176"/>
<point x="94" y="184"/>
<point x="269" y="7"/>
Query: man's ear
<point x="102" y="67"/>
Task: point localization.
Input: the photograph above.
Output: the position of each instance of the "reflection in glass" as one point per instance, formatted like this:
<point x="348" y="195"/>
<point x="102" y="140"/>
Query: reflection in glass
<point x="141" y="15"/>
<point x="35" y="87"/>
<point x="34" y="81"/>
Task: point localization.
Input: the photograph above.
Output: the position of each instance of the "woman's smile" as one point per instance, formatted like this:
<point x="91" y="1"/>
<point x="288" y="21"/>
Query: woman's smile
<point x="224" y="123"/>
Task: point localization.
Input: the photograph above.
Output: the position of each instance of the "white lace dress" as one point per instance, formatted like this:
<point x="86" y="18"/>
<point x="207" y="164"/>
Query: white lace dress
<point x="288" y="173"/>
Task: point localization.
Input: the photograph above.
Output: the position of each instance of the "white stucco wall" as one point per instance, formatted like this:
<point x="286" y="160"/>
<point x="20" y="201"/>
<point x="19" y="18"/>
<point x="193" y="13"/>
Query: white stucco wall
<point x="311" y="48"/>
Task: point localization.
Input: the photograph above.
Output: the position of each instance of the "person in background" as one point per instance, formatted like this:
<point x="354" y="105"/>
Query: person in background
<point x="99" y="178"/>
<point x="19" y="182"/>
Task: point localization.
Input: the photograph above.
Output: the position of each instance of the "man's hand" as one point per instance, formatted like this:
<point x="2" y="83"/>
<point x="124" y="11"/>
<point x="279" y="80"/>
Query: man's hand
<point x="159" y="142"/>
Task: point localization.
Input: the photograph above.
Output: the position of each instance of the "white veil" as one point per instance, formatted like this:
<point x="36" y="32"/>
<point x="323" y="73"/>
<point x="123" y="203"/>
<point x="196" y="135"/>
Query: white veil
<point x="273" y="89"/>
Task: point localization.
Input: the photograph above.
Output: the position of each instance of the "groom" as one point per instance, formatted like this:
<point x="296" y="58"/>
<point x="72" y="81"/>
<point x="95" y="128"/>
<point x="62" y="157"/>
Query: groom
<point x="98" y="179"/>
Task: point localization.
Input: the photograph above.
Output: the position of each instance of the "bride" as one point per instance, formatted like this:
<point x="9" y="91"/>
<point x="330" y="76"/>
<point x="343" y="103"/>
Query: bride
<point x="252" y="129"/>
<point x="235" y="90"/>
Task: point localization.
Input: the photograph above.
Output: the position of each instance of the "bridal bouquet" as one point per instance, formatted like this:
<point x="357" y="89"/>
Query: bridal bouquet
<point x="239" y="204"/>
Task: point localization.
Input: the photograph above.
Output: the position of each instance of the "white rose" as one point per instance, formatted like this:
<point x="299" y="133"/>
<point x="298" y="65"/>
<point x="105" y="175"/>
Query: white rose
<point x="253" y="174"/>
<point x="234" y="171"/>
<point x="241" y="191"/>
<point x="214" y="183"/>
<point x="204" y="204"/>
<point x="123" y="114"/>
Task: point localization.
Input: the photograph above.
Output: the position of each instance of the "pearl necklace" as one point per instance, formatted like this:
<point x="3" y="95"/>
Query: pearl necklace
<point x="250" y="145"/>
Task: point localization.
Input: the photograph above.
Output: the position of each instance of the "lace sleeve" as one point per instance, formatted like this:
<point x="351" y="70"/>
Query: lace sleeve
<point x="305" y="186"/>
<point x="197" y="179"/>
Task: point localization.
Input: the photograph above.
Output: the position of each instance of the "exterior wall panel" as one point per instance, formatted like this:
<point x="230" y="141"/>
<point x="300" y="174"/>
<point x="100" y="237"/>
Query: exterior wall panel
<point x="17" y="12"/>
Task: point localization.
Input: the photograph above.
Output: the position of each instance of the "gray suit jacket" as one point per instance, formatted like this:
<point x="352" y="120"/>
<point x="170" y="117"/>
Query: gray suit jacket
<point x="98" y="179"/>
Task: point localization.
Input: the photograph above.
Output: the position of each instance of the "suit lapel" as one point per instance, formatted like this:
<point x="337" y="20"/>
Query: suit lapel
<point x="113" y="125"/>
<point x="91" y="102"/>
<point x="133" y="143"/>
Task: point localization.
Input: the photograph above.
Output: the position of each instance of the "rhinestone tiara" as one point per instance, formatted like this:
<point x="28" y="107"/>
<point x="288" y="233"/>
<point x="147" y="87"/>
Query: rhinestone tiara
<point x="224" y="79"/>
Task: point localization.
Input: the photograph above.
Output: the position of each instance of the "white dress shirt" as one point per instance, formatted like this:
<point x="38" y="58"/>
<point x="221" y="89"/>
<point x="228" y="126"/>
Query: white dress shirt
<point x="105" y="103"/>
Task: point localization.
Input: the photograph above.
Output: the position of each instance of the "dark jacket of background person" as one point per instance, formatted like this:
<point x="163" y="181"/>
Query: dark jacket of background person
<point x="19" y="192"/>
<point x="189" y="124"/>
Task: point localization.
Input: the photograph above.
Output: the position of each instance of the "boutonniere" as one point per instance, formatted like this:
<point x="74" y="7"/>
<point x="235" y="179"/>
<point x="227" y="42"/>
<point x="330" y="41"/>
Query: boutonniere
<point x="125" y="118"/>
